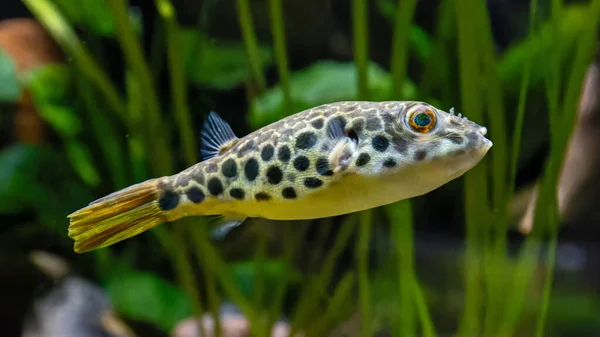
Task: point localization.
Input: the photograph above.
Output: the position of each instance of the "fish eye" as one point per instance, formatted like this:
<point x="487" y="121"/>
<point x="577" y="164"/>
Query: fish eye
<point x="422" y="120"/>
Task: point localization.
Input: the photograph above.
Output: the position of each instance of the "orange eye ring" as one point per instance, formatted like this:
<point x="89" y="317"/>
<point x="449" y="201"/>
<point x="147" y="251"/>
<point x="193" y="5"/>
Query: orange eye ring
<point x="422" y="120"/>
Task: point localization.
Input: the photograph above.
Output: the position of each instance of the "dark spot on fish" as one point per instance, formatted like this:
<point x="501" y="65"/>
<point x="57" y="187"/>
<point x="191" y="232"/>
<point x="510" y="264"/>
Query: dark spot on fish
<point x="251" y="169"/>
<point x="380" y="143"/>
<point x="358" y="124"/>
<point x="373" y="123"/>
<point x="283" y="154"/>
<point x="267" y="152"/>
<point x="306" y="140"/>
<point x="168" y="200"/>
<point x="262" y="196"/>
<point x="249" y="146"/>
<point x="195" y="195"/>
<point x="317" y="123"/>
<point x="237" y="193"/>
<point x="182" y="180"/>
<point x="229" y="168"/>
<point x="211" y="168"/>
<point x="363" y="159"/>
<point x="322" y="166"/>
<point x="274" y="175"/>
<point x="349" y="108"/>
<point x="457" y="152"/>
<point x="301" y="163"/>
<point x="400" y="144"/>
<point x="313" y="182"/>
<point x="472" y="136"/>
<point x="289" y="193"/>
<point x="215" y="187"/>
<point x="198" y="177"/>
<point x="420" y="155"/>
<point x="456" y="139"/>
<point x="389" y="163"/>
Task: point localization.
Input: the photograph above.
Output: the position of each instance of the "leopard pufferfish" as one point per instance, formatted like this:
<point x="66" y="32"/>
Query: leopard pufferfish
<point x="333" y="159"/>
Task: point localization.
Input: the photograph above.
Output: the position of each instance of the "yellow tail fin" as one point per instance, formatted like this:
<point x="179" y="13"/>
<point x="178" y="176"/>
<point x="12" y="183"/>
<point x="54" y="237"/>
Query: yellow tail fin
<point x="116" y="217"/>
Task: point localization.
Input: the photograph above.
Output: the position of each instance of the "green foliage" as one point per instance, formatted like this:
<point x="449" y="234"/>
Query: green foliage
<point x="145" y="297"/>
<point x="320" y="83"/>
<point x="10" y="89"/>
<point x="142" y="132"/>
<point x="222" y="65"/>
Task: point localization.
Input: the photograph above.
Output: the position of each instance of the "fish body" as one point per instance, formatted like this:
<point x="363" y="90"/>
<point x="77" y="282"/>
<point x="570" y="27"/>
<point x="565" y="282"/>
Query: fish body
<point x="333" y="159"/>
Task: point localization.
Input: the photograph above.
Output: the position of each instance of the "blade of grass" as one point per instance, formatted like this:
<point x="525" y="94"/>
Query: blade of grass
<point x="249" y="36"/>
<point x="361" y="47"/>
<point x="364" y="288"/>
<point x="105" y="134"/>
<point x="178" y="83"/>
<point x="475" y="180"/>
<point x="315" y="288"/>
<point x="132" y="50"/>
<point x="278" y="31"/>
<point x="335" y="307"/>
<point x="400" y="47"/>
<point x="427" y="326"/>
<point x="400" y="214"/>
<point x="56" y="24"/>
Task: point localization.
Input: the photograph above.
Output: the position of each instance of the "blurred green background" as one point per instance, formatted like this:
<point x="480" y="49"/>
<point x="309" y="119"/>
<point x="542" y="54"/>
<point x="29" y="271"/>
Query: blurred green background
<point x="96" y="95"/>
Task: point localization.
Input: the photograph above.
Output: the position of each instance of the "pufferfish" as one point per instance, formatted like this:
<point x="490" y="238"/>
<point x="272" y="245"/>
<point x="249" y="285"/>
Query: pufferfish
<point x="330" y="160"/>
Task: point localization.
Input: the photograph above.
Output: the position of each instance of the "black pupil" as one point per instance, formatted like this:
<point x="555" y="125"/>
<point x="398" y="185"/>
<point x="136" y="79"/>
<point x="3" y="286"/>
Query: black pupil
<point x="422" y="119"/>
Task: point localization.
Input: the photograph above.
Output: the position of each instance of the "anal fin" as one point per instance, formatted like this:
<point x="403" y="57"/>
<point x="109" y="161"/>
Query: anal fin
<point x="224" y="225"/>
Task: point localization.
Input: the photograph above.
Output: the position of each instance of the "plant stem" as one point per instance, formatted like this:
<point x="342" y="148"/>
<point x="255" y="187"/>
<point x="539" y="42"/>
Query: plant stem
<point x="361" y="47"/>
<point x="178" y="83"/>
<point x="278" y="31"/>
<point x="364" y="289"/>
<point x="49" y="16"/>
<point x="156" y="135"/>
<point x="247" y="27"/>
<point x="400" y="46"/>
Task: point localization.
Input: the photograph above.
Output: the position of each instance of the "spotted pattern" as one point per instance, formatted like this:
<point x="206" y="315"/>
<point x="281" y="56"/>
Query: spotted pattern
<point x="291" y="157"/>
<point x="251" y="169"/>
<point x="195" y="195"/>
<point x="215" y="186"/>
<point x="229" y="168"/>
<point x="267" y="152"/>
<point x="312" y="182"/>
<point x="274" y="175"/>
<point x="284" y="154"/>
<point x="380" y="143"/>
<point x="289" y="193"/>
<point x="168" y="200"/>
<point x="237" y="193"/>
<point x="363" y="159"/>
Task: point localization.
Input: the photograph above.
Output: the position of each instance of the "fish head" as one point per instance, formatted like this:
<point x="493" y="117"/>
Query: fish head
<point x="439" y="145"/>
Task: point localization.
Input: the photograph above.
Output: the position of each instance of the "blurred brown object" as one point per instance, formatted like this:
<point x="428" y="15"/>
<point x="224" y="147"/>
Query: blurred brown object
<point x="29" y="46"/>
<point x="580" y="174"/>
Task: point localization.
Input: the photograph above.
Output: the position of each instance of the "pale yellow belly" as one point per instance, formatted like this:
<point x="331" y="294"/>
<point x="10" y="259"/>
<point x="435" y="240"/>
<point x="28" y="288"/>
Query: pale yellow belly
<point x="352" y="193"/>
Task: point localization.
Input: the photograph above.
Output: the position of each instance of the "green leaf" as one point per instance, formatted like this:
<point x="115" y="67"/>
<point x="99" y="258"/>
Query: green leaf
<point x="322" y="82"/>
<point x="90" y="14"/>
<point x="221" y="65"/>
<point x="50" y="88"/>
<point x="18" y="185"/>
<point x="572" y="23"/>
<point x="10" y="89"/>
<point x="82" y="162"/>
<point x="146" y="297"/>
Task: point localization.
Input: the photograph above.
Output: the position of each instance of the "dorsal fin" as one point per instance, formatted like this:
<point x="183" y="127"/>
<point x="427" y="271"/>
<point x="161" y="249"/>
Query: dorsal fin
<point x="216" y="136"/>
